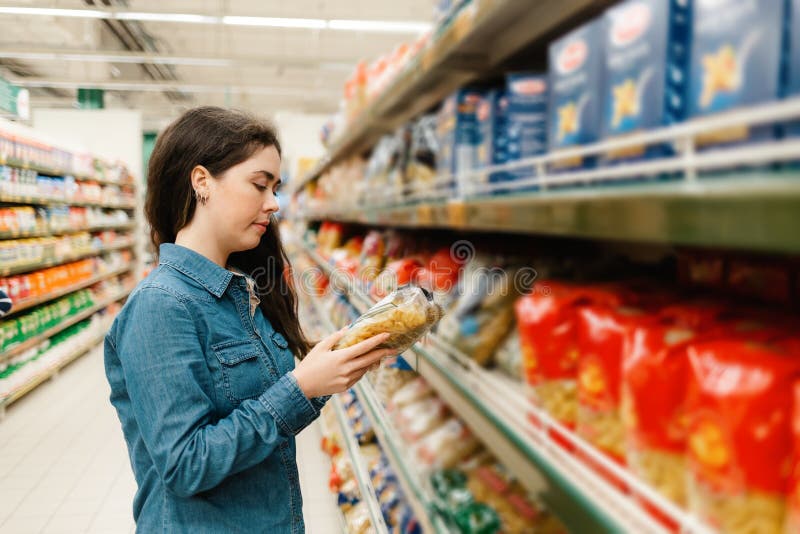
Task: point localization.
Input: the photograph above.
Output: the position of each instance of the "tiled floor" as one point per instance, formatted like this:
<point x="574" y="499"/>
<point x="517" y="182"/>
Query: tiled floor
<point x="64" y="466"/>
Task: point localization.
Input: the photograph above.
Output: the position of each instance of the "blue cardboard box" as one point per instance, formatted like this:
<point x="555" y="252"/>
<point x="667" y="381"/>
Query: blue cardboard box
<point x="527" y="118"/>
<point x="459" y="132"/>
<point x="647" y="61"/>
<point x="493" y="133"/>
<point x="792" y="59"/>
<point x="736" y="60"/>
<point x="577" y="71"/>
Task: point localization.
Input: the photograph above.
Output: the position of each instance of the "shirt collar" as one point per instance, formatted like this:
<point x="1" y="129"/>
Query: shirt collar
<point x="196" y="266"/>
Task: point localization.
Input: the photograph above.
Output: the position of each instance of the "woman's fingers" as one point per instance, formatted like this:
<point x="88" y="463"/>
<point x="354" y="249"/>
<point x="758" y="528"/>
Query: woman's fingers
<point x="328" y="343"/>
<point x="365" y="346"/>
<point x="363" y="363"/>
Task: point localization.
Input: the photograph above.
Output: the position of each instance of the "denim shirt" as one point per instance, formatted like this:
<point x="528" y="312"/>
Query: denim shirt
<point x="208" y="405"/>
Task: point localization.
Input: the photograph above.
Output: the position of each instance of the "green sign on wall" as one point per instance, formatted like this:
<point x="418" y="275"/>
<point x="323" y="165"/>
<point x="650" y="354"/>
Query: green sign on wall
<point x="14" y="100"/>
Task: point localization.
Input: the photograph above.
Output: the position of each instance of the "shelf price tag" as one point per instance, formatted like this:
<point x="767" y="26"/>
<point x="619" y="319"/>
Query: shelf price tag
<point x="457" y="213"/>
<point x="424" y="214"/>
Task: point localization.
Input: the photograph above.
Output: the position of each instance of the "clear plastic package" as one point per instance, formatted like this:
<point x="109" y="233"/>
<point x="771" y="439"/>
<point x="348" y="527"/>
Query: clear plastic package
<point x="407" y="314"/>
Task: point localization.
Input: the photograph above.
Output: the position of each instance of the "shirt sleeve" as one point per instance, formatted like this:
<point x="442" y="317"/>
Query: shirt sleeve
<point x="168" y="382"/>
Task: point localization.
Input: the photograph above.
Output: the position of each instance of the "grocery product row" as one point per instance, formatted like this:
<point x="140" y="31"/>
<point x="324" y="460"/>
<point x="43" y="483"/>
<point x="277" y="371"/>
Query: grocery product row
<point x="610" y="110"/>
<point x="41" y="188"/>
<point x="627" y="375"/>
<point x="24" y="331"/>
<point x="30" y="221"/>
<point x="43" y="362"/>
<point x="32" y="289"/>
<point x="453" y="484"/>
<point x="23" y="255"/>
<point x="22" y="151"/>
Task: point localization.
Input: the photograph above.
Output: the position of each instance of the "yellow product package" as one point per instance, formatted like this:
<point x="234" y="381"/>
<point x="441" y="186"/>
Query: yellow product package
<point x="407" y="314"/>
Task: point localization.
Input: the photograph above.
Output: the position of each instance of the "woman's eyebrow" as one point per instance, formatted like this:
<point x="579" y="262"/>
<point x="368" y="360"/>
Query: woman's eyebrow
<point x="268" y="174"/>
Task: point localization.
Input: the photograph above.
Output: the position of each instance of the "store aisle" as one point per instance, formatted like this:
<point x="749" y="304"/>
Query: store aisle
<point x="64" y="466"/>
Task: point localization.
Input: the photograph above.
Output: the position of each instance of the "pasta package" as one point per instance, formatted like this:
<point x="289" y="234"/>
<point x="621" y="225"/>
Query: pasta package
<point x="447" y="445"/>
<point x="484" y="313"/>
<point x="416" y="420"/>
<point x="547" y="327"/>
<point x="740" y="400"/>
<point x="406" y="314"/>
<point x="373" y="254"/>
<point x="654" y="373"/>
<point x="602" y="331"/>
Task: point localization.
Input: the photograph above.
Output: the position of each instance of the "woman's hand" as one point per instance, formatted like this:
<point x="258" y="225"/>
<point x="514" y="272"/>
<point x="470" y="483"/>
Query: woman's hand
<point x="325" y="372"/>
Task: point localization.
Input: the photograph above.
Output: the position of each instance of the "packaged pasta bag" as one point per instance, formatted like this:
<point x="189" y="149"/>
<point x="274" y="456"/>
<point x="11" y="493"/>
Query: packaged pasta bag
<point x="414" y="391"/>
<point x="654" y="373"/>
<point x="407" y="314"/>
<point x="739" y="402"/>
<point x="602" y="331"/>
<point x="547" y="322"/>
<point x="397" y="274"/>
<point x="441" y="275"/>
<point x="484" y="313"/>
<point x="373" y="254"/>
<point x="446" y="446"/>
<point x="793" y="497"/>
<point x="509" y="356"/>
<point x="416" y="420"/>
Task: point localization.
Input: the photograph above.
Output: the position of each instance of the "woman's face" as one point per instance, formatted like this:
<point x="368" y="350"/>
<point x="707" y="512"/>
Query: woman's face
<point x="242" y="200"/>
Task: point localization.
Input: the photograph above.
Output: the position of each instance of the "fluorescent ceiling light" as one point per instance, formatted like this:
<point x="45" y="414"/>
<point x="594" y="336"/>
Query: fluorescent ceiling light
<point x="275" y="22"/>
<point x="51" y="12"/>
<point x="230" y="20"/>
<point x="379" y="26"/>
<point x="166" y="17"/>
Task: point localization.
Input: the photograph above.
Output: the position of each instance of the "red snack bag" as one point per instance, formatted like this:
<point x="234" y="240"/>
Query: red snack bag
<point x="793" y="498"/>
<point x="739" y="401"/>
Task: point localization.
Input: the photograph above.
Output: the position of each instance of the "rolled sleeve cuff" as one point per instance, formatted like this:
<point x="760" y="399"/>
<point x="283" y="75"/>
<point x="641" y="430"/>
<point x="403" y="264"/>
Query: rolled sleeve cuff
<point x="319" y="402"/>
<point x="288" y="405"/>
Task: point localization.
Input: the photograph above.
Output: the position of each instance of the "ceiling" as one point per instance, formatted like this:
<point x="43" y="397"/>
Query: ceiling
<point x="264" y="69"/>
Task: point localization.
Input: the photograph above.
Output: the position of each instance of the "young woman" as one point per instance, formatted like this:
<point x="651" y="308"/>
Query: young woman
<point x="201" y="358"/>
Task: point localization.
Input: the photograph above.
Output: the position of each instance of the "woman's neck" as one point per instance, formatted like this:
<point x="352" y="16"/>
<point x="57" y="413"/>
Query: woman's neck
<point x="199" y="240"/>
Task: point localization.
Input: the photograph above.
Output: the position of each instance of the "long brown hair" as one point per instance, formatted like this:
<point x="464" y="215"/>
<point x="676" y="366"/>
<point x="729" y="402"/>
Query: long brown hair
<point x="219" y="139"/>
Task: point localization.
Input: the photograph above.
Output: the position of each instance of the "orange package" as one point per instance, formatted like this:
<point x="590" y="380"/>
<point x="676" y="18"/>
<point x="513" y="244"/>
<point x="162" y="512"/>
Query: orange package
<point x="739" y="402"/>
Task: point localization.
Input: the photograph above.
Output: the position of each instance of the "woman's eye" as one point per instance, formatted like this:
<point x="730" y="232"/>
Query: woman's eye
<point x="260" y="187"/>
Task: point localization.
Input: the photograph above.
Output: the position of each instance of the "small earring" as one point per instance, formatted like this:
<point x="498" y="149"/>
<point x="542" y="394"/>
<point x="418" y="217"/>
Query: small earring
<point x="201" y="198"/>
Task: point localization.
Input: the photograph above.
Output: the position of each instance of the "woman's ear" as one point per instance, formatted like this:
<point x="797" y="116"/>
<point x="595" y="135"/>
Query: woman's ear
<point x="201" y="179"/>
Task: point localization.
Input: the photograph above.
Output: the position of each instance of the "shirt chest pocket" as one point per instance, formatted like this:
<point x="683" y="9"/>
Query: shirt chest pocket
<point x="244" y="374"/>
<point x="285" y="358"/>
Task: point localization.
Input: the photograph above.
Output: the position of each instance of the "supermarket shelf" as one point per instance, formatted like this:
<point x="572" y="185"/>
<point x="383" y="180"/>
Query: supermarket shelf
<point x="44" y="232"/>
<point x="54" y="172"/>
<point x="743" y="196"/>
<point x="359" y="469"/>
<point x="394" y="449"/>
<point x="39" y="201"/>
<point x="482" y="36"/>
<point x="27" y="267"/>
<point x="757" y="211"/>
<point x="339" y="515"/>
<point x="392" y="446"/>
<point x="496" y="410"/>
<point x="32" y="342"/>
<point x="29" y="303"/>
<point x="49" y="373"/>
